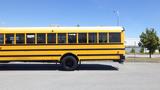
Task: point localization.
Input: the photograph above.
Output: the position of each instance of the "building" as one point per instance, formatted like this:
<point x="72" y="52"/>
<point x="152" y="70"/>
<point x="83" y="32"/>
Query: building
<point x="133" y="43"/>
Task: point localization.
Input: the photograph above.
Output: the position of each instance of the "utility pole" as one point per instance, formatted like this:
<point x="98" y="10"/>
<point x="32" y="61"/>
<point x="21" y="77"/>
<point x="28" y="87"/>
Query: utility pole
<point x="134" y="50"/>
<point x="117" y="15"/>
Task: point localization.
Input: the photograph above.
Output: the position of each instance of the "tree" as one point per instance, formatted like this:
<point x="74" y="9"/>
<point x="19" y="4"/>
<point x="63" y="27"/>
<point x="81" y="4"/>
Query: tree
<point x="149" y="40"/>
<point x="132" y="50"/>
<point x="159" y="48"/>
<point x="142" y="50"/>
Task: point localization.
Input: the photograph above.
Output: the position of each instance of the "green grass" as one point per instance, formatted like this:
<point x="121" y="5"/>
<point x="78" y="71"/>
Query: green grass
<point x="142" y="59"/>
<point x="143" y="53"/>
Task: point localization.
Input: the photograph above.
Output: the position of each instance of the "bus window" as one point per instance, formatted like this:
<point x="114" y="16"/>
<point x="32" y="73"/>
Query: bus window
<point x="92" y="37"/>
<point x="61" y="38"/>
<point x="1" y="39"/>
<point x="114" y="37"/>
<point x="19" y="38"/>
<point x="41" y="38"/>
<point x="51" y="38"/>
<point x="30" y="38"/>
<point x="9" y="38"/>
<point x="82" y="38"/>
<point x="72" y="38"/>
<point x="102" y="37"/>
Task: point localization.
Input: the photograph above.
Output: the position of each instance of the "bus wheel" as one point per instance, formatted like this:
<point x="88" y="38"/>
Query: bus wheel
<point x="69" y="63"/>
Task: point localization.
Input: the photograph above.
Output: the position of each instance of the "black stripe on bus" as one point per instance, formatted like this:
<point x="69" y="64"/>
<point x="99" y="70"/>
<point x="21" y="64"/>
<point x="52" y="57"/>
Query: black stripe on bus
<point x="26" y="55"/>
<point x="63" y="44"/>
<point x="54" y="60"/>
<point x="60" y="55"/>
<point x="98" y="55"/>
<point x="63" y="49"/>
<point x="97" y="59"/>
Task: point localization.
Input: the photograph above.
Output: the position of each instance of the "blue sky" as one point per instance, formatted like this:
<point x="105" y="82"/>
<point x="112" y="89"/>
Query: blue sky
<point x="135" y="15"/>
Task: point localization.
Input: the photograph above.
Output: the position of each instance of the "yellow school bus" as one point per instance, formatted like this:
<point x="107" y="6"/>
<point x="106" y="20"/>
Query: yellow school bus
<point x="66" y="45"/>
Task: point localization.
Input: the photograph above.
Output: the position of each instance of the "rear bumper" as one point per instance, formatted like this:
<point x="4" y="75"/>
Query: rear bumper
<point x="122" y="58"/>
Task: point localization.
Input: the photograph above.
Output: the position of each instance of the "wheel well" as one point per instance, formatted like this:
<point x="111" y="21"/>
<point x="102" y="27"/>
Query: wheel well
<point x="69" y="54"/>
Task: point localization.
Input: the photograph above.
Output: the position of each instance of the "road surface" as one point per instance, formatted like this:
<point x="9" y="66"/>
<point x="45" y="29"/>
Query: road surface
<point x="90" y="76"/>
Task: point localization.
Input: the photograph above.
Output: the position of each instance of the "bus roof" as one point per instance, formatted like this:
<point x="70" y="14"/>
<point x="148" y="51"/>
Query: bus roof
<point x="58" y="29"/>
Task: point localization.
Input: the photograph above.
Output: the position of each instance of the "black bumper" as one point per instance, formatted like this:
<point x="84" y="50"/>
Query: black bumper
<point x="122" y="59"/>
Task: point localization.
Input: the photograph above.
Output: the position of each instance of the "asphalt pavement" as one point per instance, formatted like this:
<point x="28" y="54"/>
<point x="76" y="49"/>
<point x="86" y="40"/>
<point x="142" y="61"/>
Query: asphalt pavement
<point x="89" y="76"/>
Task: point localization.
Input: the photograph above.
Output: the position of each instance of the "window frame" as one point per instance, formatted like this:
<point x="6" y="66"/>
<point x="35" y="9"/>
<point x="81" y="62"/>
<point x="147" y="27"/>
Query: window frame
<point x="105" y="33"/>
<point x="65" y="42"/>
<point x="115" y="33"/>
<point x="95" y="41"/>
<point x="33" y="39"/>
<point x="3" y="38"/>
<point x="75" y="38"/>
<point x="52" y="37"/>
<point x="23" y="37"/>
<point x="13" y="42"/>
<point x="82" y="38"/>
<point x="43" y="39"/>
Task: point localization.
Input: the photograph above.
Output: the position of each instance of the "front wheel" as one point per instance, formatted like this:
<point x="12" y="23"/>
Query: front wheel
<point x="69" y="63"/>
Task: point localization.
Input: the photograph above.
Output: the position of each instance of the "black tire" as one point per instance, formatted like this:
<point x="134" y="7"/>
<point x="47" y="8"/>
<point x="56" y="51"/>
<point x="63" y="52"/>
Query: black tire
<point x="69" y="63"/>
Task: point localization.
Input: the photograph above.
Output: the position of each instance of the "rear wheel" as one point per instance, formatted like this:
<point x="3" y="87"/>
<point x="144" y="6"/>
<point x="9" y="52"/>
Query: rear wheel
<point x="69" y="63"/>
